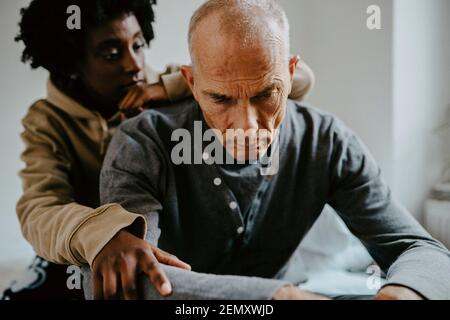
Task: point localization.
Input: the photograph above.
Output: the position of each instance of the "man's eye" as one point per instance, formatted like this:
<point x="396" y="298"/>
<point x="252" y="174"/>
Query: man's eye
<point x="222" y="100"/>
<point x="264" y="96"/>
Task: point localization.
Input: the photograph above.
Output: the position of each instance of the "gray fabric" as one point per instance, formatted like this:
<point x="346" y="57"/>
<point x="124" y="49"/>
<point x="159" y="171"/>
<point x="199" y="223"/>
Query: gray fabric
<point x="244" y="182"/>
<point x="196" y="286"/>
<point x="321" y="162"/>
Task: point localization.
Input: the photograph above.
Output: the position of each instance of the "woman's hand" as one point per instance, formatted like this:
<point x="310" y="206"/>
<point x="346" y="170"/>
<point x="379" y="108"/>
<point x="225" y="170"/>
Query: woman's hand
<point x="138" y="98"/>
<point x="117" y="266"/>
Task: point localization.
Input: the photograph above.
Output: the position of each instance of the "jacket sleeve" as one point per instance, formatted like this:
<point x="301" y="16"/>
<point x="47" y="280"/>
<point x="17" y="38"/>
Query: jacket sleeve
<point x="174" y="83"/>
<point x="59" y="229"/>
<point x="172" y="80"/>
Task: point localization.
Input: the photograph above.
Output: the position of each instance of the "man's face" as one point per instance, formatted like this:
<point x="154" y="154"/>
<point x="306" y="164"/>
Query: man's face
<point x="114" y="60"/>
<point x="240" y="86"/>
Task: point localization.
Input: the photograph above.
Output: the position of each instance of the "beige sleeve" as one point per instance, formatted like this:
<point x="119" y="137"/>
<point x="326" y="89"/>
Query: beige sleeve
<point x="303" y="82"/>
<point x="59" y="229"/>
<point x="172" y="80"/>
<point x="174" y="83"/>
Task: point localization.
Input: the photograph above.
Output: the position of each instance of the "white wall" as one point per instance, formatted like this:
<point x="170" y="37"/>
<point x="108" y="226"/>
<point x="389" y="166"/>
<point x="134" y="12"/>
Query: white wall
<point x="352" y="65"/>
<point x="171" y="29"/>
<point x="19" y="87"/>
<point x="421" y="97"/>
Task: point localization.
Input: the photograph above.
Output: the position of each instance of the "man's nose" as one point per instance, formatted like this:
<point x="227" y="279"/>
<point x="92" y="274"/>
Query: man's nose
<point x="246" y="117"/>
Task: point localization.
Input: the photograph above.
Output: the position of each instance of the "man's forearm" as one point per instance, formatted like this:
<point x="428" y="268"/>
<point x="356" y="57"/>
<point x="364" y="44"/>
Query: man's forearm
<point x="423" y="269"/>
<point x="189" y="285"/>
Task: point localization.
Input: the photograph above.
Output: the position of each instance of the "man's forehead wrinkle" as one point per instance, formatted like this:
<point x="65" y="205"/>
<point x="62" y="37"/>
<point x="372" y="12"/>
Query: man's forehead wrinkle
<point x="218" y="60"/>
<point x="251" y="81"/>
<point x="235" y="89"/>
<point x="252" y="72"/>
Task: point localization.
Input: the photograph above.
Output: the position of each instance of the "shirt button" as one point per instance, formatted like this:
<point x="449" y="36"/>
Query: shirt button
<point x="240" y="230"/>
<point x="205" y="156"/>
<point x="233" y="205"/>
<point x="217" y="181"/>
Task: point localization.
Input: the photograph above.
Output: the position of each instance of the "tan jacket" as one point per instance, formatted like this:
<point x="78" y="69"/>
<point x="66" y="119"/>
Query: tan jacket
<point x="65" y="144"/>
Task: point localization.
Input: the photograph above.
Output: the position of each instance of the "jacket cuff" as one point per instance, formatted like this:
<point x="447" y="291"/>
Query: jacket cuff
<point x="175" y="85"/>
<point x="93" y="233"/>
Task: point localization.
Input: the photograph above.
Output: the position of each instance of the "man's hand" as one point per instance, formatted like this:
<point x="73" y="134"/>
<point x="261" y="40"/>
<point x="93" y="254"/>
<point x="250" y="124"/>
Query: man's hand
<point x="139" y="96"/>
<point x="119" y="263"/>
<point x="295" y="293"/>
<point x="393" y="292"/>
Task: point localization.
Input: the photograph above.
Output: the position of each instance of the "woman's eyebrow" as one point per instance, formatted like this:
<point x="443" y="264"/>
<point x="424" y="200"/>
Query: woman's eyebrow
<point x="108" y="43"/>
<point x="113" y="42"/>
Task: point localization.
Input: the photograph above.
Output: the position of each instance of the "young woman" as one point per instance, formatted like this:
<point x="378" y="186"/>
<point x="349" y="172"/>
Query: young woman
<point x="98" y="78"/>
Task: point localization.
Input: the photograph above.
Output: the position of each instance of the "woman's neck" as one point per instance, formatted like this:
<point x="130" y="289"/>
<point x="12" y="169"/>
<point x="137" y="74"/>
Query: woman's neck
<point x="80" y="93"/>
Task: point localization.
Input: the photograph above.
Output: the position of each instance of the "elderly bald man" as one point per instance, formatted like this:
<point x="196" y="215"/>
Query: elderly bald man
<point x="236" y="223"/>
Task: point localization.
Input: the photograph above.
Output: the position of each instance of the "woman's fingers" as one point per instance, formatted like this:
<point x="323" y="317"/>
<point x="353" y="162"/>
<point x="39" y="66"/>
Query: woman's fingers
<point x="140" y="95"/>
<point x="128" y="279"/>
<point x="132" y="104"/>
<point x="151" y="267"/>
<point x="170" y="259"/>
<point x="131" y="100"/>
<point x="98" y="285"/>
<point x="109" y="284"/>
<point x="128" y="98"/>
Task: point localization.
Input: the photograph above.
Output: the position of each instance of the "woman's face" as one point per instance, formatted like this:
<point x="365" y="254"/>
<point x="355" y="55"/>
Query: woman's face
<point x="114" y="60"/>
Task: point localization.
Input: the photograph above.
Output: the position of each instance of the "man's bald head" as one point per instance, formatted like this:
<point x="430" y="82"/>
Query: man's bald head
<point x="241" y="72"/>
<point x="248" y="21"/>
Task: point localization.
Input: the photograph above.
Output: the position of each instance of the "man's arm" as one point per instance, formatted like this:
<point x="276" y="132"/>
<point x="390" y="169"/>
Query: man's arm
<point x="134" y="176"/>
<point x="189" y="285"/>
<point x="404" y="250"/>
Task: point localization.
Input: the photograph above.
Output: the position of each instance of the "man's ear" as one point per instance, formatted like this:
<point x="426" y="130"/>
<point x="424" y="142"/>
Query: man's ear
<point x="293" y="63"/>
<point x="188" y="75"/>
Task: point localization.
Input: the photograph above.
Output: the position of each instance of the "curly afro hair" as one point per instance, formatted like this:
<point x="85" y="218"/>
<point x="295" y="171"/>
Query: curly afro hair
<point x="51" y="45"/>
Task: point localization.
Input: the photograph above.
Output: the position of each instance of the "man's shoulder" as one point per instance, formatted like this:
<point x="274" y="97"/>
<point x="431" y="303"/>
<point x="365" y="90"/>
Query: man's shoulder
<point x="323" y="128"/>
<point x="171" y="116"/>
<point x="312" y="118"/>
